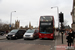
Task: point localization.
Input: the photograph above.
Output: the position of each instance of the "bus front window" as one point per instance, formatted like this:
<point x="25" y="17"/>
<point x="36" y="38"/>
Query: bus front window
<point x="46" y="30"/>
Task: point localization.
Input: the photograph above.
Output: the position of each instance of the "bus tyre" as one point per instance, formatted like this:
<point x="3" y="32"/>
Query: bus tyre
<point x="42" y="38"/>
<point x="54" y="37"/>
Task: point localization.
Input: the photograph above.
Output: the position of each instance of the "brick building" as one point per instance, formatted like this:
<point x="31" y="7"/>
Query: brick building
<point x="73" y="16"/>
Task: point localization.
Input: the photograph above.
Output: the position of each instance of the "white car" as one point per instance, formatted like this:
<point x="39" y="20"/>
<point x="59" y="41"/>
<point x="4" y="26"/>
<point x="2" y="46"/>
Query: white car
<point x="31" y="34"/>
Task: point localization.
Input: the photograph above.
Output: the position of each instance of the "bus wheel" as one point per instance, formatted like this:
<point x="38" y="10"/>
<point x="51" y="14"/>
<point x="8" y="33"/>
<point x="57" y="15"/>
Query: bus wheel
<point x="42" y="38"/>
<point x="54" y="38"/>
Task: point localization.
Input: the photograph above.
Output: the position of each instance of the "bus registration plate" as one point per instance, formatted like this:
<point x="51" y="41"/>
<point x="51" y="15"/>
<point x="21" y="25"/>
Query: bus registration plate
<point x="45" y="34"/>
<point x="45" y="37"/>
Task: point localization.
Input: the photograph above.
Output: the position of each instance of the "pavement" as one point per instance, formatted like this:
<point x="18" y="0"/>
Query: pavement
<point x="3" y="37"/>
<point x="60" y="46"/>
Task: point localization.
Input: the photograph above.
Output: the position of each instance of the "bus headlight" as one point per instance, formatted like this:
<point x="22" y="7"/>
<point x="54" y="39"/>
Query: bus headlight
<point x="13" y="35"/>
<point x="51" y="34"/>
<point x="40" y="34"/>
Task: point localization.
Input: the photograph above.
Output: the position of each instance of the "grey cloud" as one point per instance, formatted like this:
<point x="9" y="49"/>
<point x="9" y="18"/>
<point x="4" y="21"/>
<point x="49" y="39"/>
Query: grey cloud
<point x="31" y="10"/>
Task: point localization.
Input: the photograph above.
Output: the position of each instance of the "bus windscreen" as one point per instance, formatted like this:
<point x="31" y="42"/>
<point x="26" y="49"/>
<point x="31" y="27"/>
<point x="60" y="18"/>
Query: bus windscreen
<point x="46" y="18"/>
<point x="46" y="30"/>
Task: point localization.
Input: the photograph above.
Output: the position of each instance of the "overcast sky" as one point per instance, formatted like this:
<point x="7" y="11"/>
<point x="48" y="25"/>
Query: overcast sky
<point x="31" y="10"/>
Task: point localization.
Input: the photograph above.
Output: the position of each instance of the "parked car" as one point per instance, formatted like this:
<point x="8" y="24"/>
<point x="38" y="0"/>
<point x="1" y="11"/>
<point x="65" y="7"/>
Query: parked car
<point x="31" y="34"/>
<point x="2" y="33"/>
<point x="15" y="34"/>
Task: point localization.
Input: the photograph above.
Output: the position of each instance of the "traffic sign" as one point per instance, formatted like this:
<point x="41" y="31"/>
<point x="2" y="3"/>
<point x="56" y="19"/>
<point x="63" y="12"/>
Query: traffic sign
<point x="9" y="25"/>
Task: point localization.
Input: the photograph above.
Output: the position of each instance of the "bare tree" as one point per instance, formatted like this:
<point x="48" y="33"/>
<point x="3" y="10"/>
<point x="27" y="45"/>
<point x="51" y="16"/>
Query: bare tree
<point x="1" y="24"/>
<point x="65" y="23"/>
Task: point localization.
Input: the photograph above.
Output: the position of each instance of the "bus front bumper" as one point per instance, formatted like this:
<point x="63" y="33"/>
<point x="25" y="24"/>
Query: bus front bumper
<point x="51" y="37"/>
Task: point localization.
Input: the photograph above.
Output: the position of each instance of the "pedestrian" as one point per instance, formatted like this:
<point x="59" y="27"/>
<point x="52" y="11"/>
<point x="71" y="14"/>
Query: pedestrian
<point x="73" y="33"/>
<point x="66" y="32"/>
<point x="70" y="38"/>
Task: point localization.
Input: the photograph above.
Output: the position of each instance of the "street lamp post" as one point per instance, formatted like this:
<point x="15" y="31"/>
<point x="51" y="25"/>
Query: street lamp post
<point x="57" y="15"/>
<point x="11" y="18"/>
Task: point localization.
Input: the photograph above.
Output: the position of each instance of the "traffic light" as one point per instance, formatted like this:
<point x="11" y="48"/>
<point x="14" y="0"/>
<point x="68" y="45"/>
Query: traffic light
<point x="61" y="17"/>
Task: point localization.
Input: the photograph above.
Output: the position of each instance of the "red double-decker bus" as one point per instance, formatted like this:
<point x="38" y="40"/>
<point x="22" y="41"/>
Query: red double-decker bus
<point x="46" y="27"/>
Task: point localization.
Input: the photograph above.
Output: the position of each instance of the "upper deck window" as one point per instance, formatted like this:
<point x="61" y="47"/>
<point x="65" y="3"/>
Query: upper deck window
<point x="46" y="18"/>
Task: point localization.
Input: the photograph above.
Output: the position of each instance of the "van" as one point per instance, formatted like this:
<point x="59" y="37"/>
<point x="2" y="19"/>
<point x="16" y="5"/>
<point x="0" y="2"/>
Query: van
<point x="15" y="33"/>
<point x="31" y="34"/>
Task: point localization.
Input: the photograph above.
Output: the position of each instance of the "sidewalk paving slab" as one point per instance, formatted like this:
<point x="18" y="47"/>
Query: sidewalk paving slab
<point x="60" y="46"/>
<point x="63" y="47"/>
